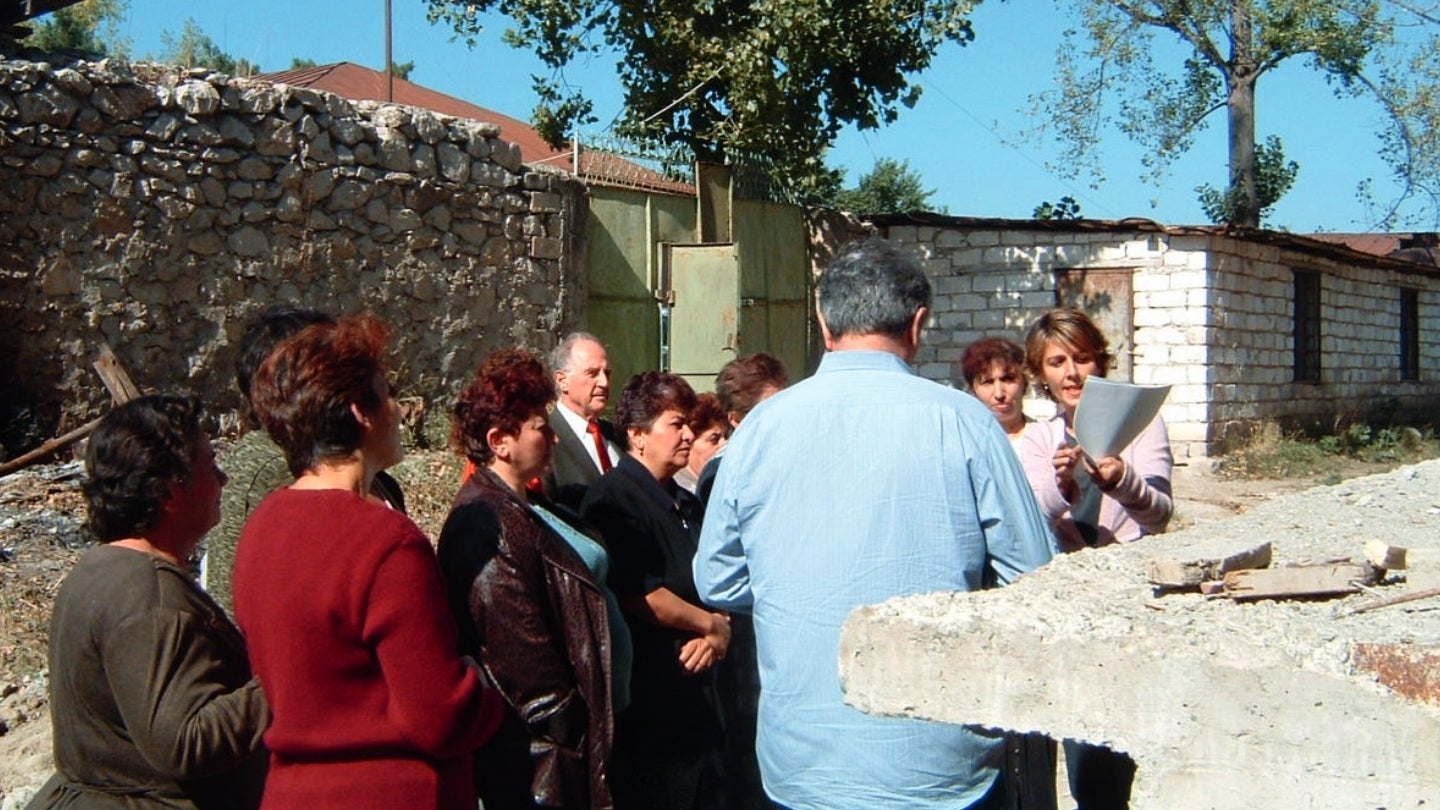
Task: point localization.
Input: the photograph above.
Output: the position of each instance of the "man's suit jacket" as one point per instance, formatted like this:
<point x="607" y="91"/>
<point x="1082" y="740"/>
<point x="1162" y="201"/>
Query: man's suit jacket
<point x="572" y="471"/>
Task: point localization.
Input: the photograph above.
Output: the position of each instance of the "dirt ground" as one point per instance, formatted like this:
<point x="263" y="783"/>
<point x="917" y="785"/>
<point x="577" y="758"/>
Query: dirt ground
<point x="41" y="536"/>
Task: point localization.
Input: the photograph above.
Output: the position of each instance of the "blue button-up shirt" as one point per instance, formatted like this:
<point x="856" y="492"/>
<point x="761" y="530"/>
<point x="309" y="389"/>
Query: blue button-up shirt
<point x="859" y="484"/>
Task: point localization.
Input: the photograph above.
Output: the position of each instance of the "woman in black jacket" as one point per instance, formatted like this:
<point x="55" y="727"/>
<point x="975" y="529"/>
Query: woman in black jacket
<point x="527" y="592"/>
<point x="668" y="742"/>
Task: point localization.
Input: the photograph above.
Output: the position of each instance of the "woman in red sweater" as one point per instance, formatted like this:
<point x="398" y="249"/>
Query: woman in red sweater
<point x="340" y="598"/>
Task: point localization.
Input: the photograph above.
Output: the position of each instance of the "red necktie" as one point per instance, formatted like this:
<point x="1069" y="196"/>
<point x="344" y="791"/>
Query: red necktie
<point x="593" y="428"/>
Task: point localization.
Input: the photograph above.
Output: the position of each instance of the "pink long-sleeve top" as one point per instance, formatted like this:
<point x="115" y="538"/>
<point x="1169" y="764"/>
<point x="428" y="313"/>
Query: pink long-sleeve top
<point x="1140" y="503"/>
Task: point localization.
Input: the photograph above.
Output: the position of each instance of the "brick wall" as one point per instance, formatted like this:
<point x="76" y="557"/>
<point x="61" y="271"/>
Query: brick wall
<point x="1212" y="318"/>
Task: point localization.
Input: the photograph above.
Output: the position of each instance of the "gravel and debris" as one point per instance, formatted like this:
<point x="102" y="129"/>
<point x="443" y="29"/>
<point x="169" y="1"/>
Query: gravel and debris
<point x="42" y="534"/>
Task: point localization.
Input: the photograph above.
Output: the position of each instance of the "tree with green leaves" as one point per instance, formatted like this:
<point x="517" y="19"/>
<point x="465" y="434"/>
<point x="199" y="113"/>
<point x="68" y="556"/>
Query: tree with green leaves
<point x="1066" y="207"/>
<point x="194" y="48"/>
<point x="730" y="78"/>
<point x="892" y="187"/>
<point x="1385" y="49"/>
<point x="89" y="29"/>
<point x="1274" y="175"/>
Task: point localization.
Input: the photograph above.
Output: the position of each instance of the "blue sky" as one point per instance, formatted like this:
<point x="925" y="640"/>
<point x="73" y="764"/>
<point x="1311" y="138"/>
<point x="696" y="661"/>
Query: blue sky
<point x="962" y="138"/>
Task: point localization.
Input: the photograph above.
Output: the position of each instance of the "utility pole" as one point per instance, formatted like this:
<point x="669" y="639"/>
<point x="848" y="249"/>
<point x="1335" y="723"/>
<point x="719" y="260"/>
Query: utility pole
<point x="389" y="73"/>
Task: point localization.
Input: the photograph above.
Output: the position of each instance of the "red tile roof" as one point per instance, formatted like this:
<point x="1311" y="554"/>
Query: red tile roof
<point x="356" y="82"/>
<point x="1381" y="244"/>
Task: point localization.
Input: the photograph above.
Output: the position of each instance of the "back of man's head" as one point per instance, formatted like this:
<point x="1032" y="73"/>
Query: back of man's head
<point x="263" y="333"/>
<point x="872" y="287"/>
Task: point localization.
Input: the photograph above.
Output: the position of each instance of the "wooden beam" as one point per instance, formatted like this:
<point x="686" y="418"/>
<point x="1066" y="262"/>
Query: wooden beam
<point x="1206" y="562"/>
<point x="117" y="382"/>
<point x="48" y="447"/>
<point x="121" y="389"/>
<point x="1310" y="580"/>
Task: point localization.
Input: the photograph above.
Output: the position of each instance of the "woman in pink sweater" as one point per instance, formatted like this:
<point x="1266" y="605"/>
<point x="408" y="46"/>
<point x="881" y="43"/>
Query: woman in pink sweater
<point x="1120" y="498"/>
<point x="1090" y="502"/>
<point x="341" y="602"/>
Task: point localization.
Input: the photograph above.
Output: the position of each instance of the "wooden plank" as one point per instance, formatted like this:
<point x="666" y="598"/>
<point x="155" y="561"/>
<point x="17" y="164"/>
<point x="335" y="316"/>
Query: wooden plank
<point x="117" y="382"/>
<point x="1399" y="558"/>
<point x="1311" y="580"/>
<point x="121" y="389"/>
<point x="49" y="447"/>
<point x="1206" y="562"/>
<point x="1413" y="595"/>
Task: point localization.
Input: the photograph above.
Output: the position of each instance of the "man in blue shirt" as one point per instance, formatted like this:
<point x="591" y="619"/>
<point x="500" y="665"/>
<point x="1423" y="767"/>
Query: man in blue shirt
<point x="859" y="484"/>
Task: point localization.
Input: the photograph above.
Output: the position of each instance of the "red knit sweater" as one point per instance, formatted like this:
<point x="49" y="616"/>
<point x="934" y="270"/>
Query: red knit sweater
<point x="342" y="607"/>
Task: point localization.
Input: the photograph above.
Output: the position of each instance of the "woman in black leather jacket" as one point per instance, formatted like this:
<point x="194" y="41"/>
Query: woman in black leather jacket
<point x="527" y="590"/>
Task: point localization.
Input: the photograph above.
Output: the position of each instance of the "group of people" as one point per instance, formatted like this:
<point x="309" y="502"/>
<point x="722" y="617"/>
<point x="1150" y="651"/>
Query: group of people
<point x="638" y="613"/>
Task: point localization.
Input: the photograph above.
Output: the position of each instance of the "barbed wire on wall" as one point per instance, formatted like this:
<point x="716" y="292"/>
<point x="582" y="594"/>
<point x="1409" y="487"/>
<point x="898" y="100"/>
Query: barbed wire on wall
<point x="608" y="159"/>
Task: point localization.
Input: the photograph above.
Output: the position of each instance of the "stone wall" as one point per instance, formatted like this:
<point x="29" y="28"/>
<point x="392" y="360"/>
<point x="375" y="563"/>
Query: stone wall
<point x="1212" y="318"/>
<point x="156" y="209"/>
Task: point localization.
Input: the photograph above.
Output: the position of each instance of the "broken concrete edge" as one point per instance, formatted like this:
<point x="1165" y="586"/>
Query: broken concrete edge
<point x="1179" y="715"/>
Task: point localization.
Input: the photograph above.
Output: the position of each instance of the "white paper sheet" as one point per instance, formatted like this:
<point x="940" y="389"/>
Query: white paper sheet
<point x="1111" y="414"/>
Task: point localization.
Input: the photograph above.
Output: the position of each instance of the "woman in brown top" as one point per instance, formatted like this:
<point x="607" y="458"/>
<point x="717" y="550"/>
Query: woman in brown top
<point x="151" y="697"/>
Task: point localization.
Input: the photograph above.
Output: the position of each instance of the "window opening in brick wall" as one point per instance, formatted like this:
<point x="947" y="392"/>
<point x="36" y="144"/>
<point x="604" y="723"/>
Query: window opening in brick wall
<point x="1307" y="326"/>
<point x="1409" y="334"/>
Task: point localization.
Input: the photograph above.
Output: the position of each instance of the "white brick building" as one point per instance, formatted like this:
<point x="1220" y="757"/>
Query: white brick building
<point x="1246" y="325"/>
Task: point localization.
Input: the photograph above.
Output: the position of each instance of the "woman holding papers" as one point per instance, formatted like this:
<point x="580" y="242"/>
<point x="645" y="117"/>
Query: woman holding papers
<point x="1089" y="501"/>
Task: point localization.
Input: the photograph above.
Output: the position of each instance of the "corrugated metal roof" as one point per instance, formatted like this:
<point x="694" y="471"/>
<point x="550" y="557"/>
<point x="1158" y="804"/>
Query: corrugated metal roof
<point x="1409" y="260"/>
<point x="357" y="82"/>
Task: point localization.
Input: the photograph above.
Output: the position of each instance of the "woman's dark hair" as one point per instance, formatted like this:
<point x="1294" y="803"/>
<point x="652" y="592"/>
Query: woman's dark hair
<point x="708" y="413"/>
<point x="262" y="333"/>
<point x="510" y="387"/>
<point x="987" y="350"/>
<point x="742" y="381"/>
<point x="136" y="452"/>
<point x="303" y="390"/>
<point x="646" y="396"/>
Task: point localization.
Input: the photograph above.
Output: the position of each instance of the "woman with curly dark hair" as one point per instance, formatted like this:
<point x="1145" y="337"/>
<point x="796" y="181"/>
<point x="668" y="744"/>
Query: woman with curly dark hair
<point x="341" y="601"/>
<point x="527" y="590"/>
<point x="151" y="697"/>
<point x="994" y="370"/>
<point x="666" y="750"/>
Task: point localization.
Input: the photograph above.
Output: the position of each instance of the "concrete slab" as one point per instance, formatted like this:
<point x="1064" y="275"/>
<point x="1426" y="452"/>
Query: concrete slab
<point x="1222" y="704"/>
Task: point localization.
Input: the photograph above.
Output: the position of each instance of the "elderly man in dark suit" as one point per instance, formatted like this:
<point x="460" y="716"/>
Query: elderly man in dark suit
<point x="585" y="444"/>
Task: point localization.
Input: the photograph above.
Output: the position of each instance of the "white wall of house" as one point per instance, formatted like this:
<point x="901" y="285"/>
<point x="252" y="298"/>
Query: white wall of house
<point x="1213" y="318"/>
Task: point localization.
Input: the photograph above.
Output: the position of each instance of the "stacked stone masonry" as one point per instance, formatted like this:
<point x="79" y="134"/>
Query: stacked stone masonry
<point x="157" y="209"/>
<point x="1213" y="318"/>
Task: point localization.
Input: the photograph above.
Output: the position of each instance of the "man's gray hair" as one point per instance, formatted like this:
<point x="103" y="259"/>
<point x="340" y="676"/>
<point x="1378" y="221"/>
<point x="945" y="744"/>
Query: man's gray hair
<point x="561" y="357"/>
<point x="872" y="287"/>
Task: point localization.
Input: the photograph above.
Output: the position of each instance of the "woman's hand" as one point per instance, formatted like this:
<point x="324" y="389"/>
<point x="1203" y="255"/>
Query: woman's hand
<point x="1107" y="472"/>
<point x="1065" y="461"/>
<point x="697" y="656"/>
<point x="719" y="636"/>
